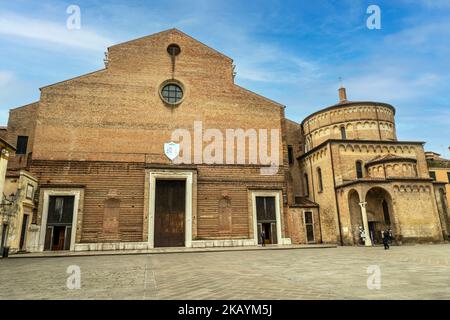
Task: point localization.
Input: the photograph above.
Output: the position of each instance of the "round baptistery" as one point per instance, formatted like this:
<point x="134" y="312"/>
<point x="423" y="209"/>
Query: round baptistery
<point x="350" y="120"/>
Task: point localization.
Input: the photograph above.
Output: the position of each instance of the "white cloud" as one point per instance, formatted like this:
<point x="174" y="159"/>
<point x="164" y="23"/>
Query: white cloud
<point x="390" y="85"/>
<point x="431" y="36"/>
<point x="265" y="62"/>
<point x="48" y="32"/>
<point x="6" y="77"/>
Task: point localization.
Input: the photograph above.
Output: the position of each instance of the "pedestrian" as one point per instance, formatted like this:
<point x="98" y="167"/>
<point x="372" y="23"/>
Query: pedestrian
<point x="362" y="236"/>
<point x="263" y="238"/>
<point x="386" y="238"/>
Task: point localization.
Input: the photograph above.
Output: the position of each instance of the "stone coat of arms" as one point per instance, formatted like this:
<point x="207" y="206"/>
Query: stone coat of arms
<point x="171" y="150"/>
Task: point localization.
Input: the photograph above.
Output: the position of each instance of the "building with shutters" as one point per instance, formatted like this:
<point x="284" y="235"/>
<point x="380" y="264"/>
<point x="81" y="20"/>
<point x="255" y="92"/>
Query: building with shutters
<point x="440" y="172"/>
<point x="162" y="148"/>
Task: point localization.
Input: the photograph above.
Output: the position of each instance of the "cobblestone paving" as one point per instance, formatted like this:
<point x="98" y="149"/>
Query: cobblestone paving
<point x="408" y="272"/>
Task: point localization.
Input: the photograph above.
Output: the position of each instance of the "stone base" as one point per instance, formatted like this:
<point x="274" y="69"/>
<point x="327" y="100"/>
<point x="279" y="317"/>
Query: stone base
<point x="113" y="246"/>
<point x="223" y="243"/>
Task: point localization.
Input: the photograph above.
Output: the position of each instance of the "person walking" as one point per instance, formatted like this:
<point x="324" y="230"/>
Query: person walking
<point x="263" y="238"/>
<point x="386" y="238"/>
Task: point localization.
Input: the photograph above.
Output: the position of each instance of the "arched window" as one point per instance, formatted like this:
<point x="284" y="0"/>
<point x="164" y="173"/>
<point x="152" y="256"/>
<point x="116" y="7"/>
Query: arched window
<point x="111" y="217"/>
<point x="387" y="218"/>
<point x="306" y="185"/>
<point x="343" y="133"/>
<point x="319" y="179"/>
<point x="225" y="215"/>
<point x="359" y="170"/>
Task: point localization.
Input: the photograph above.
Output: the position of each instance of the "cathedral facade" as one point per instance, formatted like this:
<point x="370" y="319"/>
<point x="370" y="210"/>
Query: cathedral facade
<point x="162" y="149"/>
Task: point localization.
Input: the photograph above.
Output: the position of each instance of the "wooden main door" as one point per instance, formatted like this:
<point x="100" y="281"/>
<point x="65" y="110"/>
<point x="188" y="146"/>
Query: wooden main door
<point x="170" y="211"/>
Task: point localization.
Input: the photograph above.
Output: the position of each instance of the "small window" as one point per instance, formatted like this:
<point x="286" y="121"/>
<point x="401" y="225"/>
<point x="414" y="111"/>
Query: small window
<point x="448" y="177"/>
<point x="343" y="133"/>
<point x="433" y="175"/>
<point x="319" y="179"/>
<point x="22" y="142"/>
<point x="359" y="170"/>
<point x="172" y="93"/>
<point x="291" y="154"/>
<point x="306" y="185"/>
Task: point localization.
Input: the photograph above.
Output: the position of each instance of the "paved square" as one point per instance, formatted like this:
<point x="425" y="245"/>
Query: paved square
<point x="408" y="272"/>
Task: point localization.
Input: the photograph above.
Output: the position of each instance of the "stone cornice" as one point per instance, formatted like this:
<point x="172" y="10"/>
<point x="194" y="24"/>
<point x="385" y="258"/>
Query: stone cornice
<point x="388" y="180"/>
<point x="362" y="142"/>
<point x="349" y="104"/>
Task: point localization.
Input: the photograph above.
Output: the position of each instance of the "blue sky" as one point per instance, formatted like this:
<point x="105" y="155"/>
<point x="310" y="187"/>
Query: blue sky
<point x="290" y="51"/>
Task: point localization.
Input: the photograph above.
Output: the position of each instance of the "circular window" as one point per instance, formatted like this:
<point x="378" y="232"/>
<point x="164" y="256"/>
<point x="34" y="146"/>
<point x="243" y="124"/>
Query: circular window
<point x="174" y="49"/>
<point x="172" y="93"/>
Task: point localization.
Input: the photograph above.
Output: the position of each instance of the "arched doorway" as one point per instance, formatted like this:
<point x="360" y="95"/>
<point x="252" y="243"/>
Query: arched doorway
<point x="355" y="215"/>
<point x="379" y="213"/>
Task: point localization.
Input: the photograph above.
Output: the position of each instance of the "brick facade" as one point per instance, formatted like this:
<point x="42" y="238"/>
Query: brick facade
<point x="101" y="136"/>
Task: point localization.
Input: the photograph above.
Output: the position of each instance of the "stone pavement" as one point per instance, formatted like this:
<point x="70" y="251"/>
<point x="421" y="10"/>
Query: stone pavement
<point x="407" y="272"/>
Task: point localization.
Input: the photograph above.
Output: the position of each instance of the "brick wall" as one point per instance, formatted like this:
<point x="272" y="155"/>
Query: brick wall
<point x="21" y="122"/>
